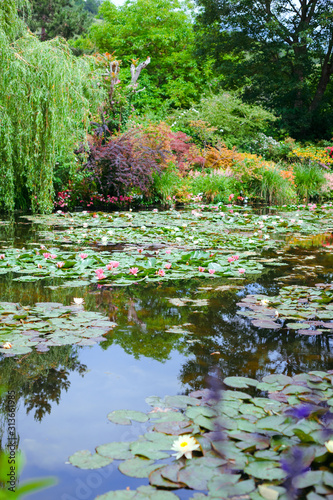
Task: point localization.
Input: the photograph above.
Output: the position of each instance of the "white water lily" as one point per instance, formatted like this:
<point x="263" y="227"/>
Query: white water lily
<point x="78" y="301"/>
<point x="264" y="302"/>
<point x="184" y="445"/>
<point x="329" y="445"/>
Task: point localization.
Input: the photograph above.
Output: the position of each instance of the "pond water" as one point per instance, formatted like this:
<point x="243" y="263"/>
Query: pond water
<point x="169" y="337"/>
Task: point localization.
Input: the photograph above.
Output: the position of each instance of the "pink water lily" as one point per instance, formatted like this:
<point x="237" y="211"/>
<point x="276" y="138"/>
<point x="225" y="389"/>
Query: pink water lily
<point x="161" y="272"/>
<point x="100" y="274"/>
<point x="46" y="255"/>
<point x="83" y="256"/>
<point x="241" y="270"/>
<point x="60" y="264"/>
<point x="168" y="265"/>
<point x="201" y="269"/>
<point x="134" y="270"/>
<point x="2" y="256"/>
<point x="168" y="252"/>
<point x="230" y="259"/>
<point x="53" y="256"/>
<point x="211" y="271"/>
<point x="113" y="264"/>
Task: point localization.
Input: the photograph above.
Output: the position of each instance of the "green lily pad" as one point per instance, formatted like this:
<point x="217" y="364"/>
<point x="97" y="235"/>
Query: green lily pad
<point x="85" y="460"/>
<point x="124" y="417"/>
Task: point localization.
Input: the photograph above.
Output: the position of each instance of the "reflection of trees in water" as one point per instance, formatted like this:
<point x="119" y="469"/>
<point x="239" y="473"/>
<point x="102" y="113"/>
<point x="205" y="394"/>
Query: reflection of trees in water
<point x="39" y="379"/>
<point x="248" y="351"/>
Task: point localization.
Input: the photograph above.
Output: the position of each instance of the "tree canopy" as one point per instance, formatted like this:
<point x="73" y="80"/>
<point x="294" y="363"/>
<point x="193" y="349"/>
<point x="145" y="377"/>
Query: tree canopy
<point x="51" y="18"/>
<point x="280" y="51"/>
<point x="160" y="29"/>
<point x="45" y="99"/>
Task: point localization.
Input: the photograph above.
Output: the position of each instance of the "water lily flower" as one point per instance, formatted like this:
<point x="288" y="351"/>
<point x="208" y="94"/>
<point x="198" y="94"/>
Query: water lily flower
<point x="184" y="445"/>
<point x="40" y="266"/>
<point x="60" y="264"/>
<point x="85" y="224"/>
<point x="236" y="257"/>
<point x="276" y="314"/>
<point x="231" y="196"/>
<point x="201" y="269"/>
<point x="7" y="345"/>
<point x="46" y="255"/>
<point x="161" y="272"/>
<point x="113" y="263"/>
<point x="168" y="252"/>
<point x="2" y="256"/>
<point x="78" y="301"/>
<point x="134" y="270"/>
<point x="95" y="215"/>
<point x="230" y="259"/>
<point x="329" y="445"/>
<point x="143" y="228"/>
<point x="264" y="302"/>
<point x="43" y="247"/>
<point x="53" y="256"/>
<point x="83" y="255"/>
<point x="168" y="265"/>
<point x="140" y="250"/>
<point x="104" y="240"/>
<point x="211" y="271"/>
<point x="241" y="270"/>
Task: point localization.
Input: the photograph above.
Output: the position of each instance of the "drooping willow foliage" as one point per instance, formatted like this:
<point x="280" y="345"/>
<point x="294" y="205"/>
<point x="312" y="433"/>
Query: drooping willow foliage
<point x="46" y="95"/>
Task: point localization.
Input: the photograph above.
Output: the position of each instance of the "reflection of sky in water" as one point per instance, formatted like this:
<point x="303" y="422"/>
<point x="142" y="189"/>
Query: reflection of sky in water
<point x="115" y="380"/>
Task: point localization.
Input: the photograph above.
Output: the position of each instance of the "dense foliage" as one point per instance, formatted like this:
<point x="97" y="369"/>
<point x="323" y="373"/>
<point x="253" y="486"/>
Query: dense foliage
<point x="279" y="52"/>
<point x="45" y="102"/>
<point x="162" y="30"/>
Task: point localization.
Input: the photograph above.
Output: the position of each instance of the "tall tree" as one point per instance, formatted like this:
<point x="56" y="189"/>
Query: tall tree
<point x="51" y="18"/>
<point x="280" y="50"/>
<point x="161" y="30"/>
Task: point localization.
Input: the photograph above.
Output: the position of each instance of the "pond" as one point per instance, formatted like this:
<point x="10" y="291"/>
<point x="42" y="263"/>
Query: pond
<point x="170" y="298"/>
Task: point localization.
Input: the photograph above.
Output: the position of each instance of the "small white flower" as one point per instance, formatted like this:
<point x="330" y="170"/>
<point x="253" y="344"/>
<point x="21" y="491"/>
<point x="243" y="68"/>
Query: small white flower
<point x="184" y="445"/>
<point x="78" y="301"/>
<point x="264" y="302"/>
<point x="7" y="345"/>
<point x="276" y="314"/>
<point x="104" y="240"/>
<point x="143" y="228"/>
<point x="329" y="445"/>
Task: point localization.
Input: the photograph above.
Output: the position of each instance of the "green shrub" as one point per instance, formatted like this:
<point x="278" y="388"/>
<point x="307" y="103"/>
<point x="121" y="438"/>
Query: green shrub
<point x="212" y="186"/>
<point x="309" y="180"/>
<point x="166" y="184"/>
<point x="236" y="123"/>
<point x="274" y="188"/>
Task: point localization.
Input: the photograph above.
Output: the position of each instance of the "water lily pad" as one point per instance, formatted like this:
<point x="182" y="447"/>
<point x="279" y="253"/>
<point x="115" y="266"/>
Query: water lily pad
<point x="137" y="467"/>
<point x="124" y="417"/>
<point x="85" y="460"/>
<point x="115" y="450"/>
<point x="240" y="382"/>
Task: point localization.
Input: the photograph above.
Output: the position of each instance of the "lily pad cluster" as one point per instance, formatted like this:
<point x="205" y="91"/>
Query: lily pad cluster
<point x="48" y="324"/>
<point x="307" y="310"/>
<point x="251" y="446"/>
<point x="125" y="267"/>
<point x="227" y="226"/>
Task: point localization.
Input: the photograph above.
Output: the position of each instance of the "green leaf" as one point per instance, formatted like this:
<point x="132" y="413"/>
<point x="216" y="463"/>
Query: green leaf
<point x="117" y="451"/>
<point x="240" y="382"/>
<point x="137" y="467"/>
<point x="85" y="460"/>
<point x="124" y="417"/>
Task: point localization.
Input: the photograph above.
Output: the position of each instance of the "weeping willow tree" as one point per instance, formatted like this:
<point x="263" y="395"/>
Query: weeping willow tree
<point x="46" y="95"/>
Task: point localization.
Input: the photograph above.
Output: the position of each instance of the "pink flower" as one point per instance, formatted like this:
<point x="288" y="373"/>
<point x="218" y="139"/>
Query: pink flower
<point x="60" y="264"/>
<point x="168" y="252"/>
<point x="95" y="215"/>
<point x="201" y="269"/>
<point x="161" y="272"/>
<point x="46" y="255"/>
<point x="53" y="256"/>
<point x="99" y="271"/>
<point x="231" y="211"/>
<point x="43" y="247"/>
<point x="230" y="259"/>
<point x="83" y="255"/>
<point x="2" y="256"/>
<point x="211" y="271"/>
<point x="167" y="265"/>
<point x="231" y="197"/>
<point x="134" y="271"/>
<point x="140" y="250"/>
<point x="241" y="270"/>
<point x="113" y="264"/>
<point x="236" y="257"/>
